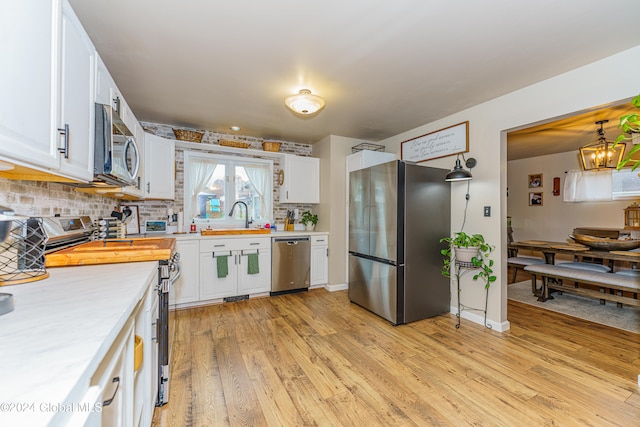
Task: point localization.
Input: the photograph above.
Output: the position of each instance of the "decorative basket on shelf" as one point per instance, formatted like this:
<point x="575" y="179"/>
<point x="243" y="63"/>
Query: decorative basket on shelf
<point x="271" y="146"/>
<point x="188" y="135"/>
<point x="235" y="144"/>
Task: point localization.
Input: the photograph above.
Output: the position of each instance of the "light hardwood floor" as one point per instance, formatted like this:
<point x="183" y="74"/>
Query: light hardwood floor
<point x="314" y="358"/>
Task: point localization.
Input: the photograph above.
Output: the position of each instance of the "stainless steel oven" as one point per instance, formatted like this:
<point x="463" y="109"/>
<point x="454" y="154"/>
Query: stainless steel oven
<point x="169" y="271"/>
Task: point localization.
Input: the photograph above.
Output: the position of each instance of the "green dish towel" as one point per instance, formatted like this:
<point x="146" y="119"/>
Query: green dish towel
<point x="222" y="262"/>
<point x="252" y="264"/>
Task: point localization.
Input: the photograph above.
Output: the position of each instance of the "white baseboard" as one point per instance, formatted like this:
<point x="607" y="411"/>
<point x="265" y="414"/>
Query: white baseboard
<point x="479" y="319"/>
<point x="338" y="287"/>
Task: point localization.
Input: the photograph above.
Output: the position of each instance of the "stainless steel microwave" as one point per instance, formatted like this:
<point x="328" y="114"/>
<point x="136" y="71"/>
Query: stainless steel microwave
<point x="116" y="154"/>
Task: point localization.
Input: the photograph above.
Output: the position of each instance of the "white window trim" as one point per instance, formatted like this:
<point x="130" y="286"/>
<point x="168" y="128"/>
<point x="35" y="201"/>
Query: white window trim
<point x="625" y="195"/>
<point x="189" y="156"/>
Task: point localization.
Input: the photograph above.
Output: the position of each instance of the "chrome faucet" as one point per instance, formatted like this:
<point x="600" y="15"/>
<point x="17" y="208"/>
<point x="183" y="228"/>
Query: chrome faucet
<point x="246" y="211"/>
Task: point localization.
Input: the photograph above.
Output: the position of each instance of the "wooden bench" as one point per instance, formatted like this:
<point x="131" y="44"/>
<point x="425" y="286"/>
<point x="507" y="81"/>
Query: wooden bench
<point x="611" y="286"/>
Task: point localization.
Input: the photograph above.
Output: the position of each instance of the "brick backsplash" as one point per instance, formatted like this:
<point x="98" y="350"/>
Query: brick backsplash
<point x="38" y="198"/>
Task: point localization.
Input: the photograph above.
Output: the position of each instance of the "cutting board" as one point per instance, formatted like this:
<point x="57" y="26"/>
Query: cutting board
<point x="112" y="251"/>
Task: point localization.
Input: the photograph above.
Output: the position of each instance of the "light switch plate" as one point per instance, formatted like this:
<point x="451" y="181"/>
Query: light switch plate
<point x="487" y="211"/>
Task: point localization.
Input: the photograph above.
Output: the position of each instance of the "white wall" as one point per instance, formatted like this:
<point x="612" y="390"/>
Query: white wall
<point x="606" y="81"/>
<point x="332" y="152"/>
<point x="555" y="219"/>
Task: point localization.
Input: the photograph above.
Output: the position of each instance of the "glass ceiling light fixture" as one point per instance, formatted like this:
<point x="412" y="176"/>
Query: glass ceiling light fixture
<point x="600" y="153"/>
<point x="458" y="173"/>
<point x="304" y="103"/>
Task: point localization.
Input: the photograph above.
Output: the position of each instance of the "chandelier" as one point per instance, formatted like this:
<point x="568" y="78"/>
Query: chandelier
<point x="600" y="154"/>
<point x="304" y="103"/>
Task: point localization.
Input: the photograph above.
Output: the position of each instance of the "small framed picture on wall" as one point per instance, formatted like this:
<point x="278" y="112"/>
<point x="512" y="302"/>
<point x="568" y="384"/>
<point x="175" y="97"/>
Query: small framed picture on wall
<point x="535" y="181"/>
<point x="535" y="199"/>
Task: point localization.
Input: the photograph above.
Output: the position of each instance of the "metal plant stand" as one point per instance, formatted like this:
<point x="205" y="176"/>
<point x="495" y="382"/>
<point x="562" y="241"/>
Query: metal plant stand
<point x="462" y="268"/>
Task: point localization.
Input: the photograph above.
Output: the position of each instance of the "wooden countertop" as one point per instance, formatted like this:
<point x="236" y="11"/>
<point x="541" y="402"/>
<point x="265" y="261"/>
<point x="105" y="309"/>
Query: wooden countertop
<point x="113" y="251"/>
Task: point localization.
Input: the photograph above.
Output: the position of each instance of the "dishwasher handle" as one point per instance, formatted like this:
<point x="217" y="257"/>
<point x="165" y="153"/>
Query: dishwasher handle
<point x="290" y="241"/>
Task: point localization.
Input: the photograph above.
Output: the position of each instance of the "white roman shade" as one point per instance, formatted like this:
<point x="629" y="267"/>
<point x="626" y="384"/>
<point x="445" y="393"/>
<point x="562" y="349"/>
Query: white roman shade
<point x="588" y="186"/>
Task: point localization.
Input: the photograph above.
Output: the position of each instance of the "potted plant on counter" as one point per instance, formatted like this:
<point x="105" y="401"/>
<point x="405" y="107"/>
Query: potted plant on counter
<point x="309" y="220"/>
<point x="472" y="250"/>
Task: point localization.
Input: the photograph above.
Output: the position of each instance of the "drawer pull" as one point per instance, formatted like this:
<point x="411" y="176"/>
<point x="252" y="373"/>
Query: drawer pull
<point x="219" y="246"/>
<point x="108" y="401"/>
<point x="254" y="244"/>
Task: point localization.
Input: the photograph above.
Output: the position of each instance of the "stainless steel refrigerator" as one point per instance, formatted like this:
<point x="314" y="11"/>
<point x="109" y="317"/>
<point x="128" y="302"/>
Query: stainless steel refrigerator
<point x="398" y="212"/>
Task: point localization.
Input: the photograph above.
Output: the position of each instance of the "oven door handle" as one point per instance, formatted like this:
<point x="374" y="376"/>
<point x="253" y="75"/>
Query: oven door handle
<point x="176" y="273"/>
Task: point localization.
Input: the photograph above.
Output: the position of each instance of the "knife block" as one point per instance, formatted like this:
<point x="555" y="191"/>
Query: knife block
<point x="288" y="225"/>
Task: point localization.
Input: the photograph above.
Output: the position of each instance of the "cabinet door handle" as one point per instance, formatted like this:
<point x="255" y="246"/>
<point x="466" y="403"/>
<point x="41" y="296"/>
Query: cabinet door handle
<point x="281" y="177"/>
<point x="149" y="187"/>
<point x="64" y="149"/>
<point x="154" y="329"/>
<point x="139" y="184"/>
<point x="108" y="401"/>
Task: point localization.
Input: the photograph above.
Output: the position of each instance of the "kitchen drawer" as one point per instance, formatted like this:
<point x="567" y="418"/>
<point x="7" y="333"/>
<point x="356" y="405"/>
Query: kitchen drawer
<point x="320" y="240"/>
<point x="213" y="245"/>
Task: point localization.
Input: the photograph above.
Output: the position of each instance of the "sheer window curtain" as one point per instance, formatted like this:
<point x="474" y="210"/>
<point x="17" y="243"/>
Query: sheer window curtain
<point x="588" y="186"/>
<point x="200" y="172"/>
<point x="258" y="176"/>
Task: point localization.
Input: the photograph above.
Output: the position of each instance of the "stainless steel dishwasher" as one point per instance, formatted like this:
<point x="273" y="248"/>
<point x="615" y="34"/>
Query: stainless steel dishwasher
<point x="290" y="264"/>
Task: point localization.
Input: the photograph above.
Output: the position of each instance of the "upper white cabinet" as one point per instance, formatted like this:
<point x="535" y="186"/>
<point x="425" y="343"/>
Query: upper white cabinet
<point x="47" y="82"/>
<point x="159" y="167"/>
<point x="365" y="158"/>
<point x="29" y="35"/>
<point x="77" y="115"/>
<point x="299" y="179"/>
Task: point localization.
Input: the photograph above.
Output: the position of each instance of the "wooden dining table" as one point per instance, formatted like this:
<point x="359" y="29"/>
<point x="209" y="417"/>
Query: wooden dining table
<point x="549" y="249"/>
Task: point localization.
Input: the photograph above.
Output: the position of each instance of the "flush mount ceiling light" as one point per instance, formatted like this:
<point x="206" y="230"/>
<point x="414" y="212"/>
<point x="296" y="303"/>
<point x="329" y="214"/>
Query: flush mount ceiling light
<point x="458" y="173"/>
<point x="304" y="103"/>
<point x="234" y="128"/>
<point x="600" y="153"/>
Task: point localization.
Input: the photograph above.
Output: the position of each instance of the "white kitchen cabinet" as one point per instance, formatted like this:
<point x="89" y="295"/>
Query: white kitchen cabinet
<point x="299" y="179"/>
<point x="145" y="383"/>
<point x="104" y="83"/>
<point x="185" y="289"/>
<point x="237" y="281"/>
<point x="319" y="260"/>
<point x="114" y="377"/>
<point x="365" y="158"/>
<point x="159" y="167"/>
<point x="77" y="113"/>
<point x="49" y="79"/>
<point x="29" y="36"/>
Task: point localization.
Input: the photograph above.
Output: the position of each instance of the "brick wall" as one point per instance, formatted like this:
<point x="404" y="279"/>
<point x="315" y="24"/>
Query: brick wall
<point x="36" y="198"/>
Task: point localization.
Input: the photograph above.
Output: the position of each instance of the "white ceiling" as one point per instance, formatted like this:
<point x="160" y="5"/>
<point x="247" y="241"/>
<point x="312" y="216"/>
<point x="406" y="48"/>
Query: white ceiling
<point x="384" y="67"/>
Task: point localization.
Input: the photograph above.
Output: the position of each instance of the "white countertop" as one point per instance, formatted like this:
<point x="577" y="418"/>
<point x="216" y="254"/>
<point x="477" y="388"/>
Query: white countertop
<point x="59" y="332"/>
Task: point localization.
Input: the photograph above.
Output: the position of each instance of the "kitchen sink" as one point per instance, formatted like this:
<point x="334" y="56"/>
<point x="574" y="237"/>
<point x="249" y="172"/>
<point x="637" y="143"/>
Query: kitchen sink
<point x="232" y="231"/>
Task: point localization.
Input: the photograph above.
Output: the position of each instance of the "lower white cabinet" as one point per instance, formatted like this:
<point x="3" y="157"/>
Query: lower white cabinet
<point x="319" y="260"/>
<point x="114" y="377"/>
<point x="185" y="289"/>
<point x="225" y="270"/>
